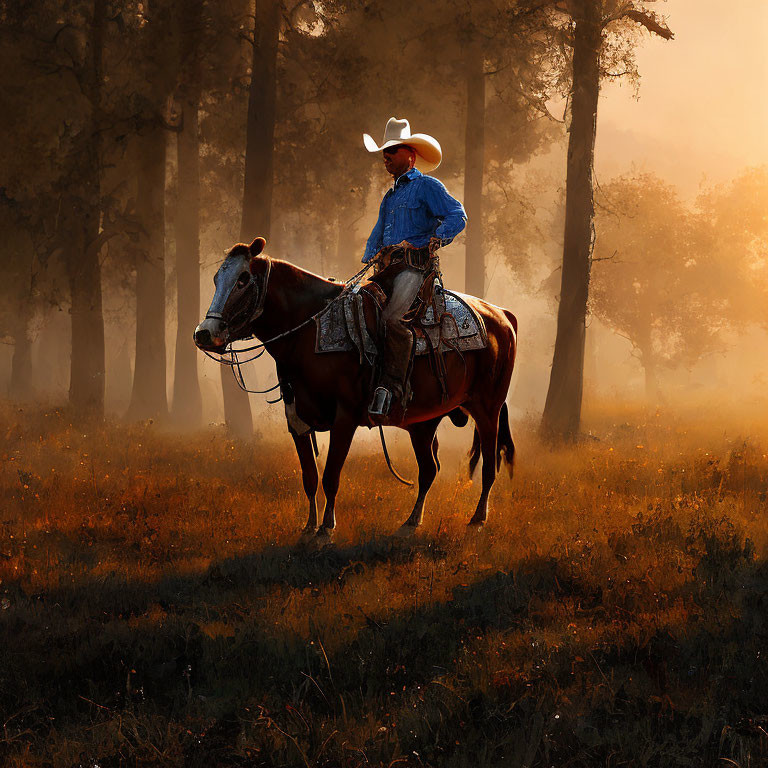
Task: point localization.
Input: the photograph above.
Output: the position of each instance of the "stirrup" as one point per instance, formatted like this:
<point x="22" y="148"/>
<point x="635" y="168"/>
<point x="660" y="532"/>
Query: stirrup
<point x="381" y="402"/>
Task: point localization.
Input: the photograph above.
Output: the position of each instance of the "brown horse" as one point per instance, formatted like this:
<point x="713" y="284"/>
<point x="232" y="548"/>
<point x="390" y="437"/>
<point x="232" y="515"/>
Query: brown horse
<point x="259" y="296"/>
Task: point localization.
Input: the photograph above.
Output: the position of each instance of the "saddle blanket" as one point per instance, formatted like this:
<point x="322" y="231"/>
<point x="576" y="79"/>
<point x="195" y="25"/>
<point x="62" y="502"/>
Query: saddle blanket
<point x="342" y="327"/>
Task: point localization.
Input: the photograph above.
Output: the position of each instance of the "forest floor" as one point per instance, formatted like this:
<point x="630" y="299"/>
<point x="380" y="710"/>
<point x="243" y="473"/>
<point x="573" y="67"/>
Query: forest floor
<point x="156" y="608"/>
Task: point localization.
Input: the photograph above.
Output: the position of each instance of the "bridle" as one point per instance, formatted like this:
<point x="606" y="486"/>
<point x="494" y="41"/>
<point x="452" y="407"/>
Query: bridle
<point x="258" y="310"/>
<point x="253" y="313"/>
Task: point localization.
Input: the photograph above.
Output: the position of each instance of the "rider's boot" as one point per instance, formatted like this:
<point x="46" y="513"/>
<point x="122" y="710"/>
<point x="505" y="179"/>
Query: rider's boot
<point x="398" y="343"/>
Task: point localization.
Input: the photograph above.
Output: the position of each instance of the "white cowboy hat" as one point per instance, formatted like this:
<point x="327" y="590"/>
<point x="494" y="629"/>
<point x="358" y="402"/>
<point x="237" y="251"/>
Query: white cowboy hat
<point x="428" y="152"/>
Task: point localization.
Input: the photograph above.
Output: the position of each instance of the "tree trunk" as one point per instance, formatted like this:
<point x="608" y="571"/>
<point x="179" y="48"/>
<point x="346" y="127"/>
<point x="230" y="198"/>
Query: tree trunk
<point x="562" y="411"/>
<point x="257" y="189"/>
<point x="21" y="366"/>
<point x="260" y="131"/>
<point x="474" y="155"/>
<point x="149" y="398"/>
<point x="187" y="401"/>
<point x="21" y="387"/>
<point x="651" y="380"/>
<point x="86" y="382"/>
<point x="18" y="255"/>
<point x="648" y="360"/>
<point x="83" y="245"/>
<point x="347" y="259"/>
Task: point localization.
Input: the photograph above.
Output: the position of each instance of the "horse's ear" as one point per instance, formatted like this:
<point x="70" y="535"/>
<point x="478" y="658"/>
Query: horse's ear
<point x="257" y="246"/>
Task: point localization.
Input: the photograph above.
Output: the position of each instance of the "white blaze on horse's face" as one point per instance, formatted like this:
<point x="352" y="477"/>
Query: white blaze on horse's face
<point x="234" y="300"/>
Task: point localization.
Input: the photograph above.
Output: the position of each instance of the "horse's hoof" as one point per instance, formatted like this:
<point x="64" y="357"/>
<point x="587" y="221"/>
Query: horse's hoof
<point x="475" y="526"/>
<point x="307" y="535"/>
<point x="324" y="537"/>
<point x="405" y="531"/>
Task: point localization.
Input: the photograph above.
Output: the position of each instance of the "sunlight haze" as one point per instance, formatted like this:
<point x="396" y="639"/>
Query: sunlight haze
<point x="701" y="111"/>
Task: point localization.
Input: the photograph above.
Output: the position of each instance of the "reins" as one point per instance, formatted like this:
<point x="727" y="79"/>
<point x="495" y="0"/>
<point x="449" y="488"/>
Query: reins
<point x="396" y="474"/>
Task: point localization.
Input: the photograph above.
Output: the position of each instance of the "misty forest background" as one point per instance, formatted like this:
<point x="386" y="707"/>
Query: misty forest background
<point x="142" y="139"/>
<point x="155" y="608"/>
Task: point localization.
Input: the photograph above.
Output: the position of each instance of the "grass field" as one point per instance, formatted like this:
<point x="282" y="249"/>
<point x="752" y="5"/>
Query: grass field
<point x="155" y="608"/>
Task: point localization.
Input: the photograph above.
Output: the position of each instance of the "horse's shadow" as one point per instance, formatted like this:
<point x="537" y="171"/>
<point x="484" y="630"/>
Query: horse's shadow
<point x="292" y="567"/>
<point x="297" y="567"/>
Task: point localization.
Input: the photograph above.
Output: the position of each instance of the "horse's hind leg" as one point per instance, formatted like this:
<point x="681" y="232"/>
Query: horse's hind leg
<point x="308" y="476"/>
<point x="488" y="428"/>
<point x="342" y="433"/>
<point x="424" y="442"/>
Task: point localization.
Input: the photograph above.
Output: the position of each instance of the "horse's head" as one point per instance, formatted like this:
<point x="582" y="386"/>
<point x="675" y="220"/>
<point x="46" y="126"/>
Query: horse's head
<point x="238" y="296"/>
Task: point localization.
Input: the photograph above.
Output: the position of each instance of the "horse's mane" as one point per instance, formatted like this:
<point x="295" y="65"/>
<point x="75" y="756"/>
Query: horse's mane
<point x="291" y="276"/>
<point x="304" y="277"/>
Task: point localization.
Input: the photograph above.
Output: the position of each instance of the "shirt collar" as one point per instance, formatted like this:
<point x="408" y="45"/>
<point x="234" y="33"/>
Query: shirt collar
<point x="407" y="177"/>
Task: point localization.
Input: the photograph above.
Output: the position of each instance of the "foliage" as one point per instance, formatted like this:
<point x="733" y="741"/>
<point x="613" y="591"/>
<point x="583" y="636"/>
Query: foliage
<point x="738" y="234"/>
<point x="655" y="281"/>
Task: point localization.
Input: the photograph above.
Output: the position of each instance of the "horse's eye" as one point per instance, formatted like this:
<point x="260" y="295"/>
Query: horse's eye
<point x="243" y="280"/>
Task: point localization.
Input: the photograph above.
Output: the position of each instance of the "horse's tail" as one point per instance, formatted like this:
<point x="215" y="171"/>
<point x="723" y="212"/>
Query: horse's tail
<point x="474" y="453"/>
<point x="505" y="446"/>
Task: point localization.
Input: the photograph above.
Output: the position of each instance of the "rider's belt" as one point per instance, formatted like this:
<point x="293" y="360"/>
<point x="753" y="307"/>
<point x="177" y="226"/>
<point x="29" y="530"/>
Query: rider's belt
<point x="417" y="258"/>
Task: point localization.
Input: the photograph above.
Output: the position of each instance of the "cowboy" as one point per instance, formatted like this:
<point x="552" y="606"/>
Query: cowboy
<point x="417" y="216"/>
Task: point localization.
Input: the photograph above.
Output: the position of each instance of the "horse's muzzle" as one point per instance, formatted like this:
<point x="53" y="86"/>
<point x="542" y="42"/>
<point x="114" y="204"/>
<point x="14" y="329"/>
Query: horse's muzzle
<point x="211" y="335"/>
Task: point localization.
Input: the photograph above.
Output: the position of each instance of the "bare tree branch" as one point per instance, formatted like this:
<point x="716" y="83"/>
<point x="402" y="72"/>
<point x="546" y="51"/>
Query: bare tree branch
<point x="649" y="21"/>
<point x="96" y="245"/>
<point x="605" y="258"/>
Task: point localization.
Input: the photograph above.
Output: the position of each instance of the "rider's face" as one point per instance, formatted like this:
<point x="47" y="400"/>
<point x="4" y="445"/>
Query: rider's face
<point x="397" y="160"/>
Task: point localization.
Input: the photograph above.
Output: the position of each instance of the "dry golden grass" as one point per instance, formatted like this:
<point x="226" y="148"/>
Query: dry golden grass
<point x="155" y="608"/>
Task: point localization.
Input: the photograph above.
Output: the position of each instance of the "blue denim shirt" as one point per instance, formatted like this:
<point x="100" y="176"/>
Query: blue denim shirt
<point x="415" y="209"/>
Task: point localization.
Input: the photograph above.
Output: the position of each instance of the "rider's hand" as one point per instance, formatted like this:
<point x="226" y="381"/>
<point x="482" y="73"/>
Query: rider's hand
<point x="434" y="243"/>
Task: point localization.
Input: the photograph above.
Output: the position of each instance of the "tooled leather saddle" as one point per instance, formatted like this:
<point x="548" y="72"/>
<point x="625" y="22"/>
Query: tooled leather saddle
<point x="448" y="323"/>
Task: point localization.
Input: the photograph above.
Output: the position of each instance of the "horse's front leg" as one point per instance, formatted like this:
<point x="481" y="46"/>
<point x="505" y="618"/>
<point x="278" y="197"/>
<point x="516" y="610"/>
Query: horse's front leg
<point x="308" y="476"/>
<point x="342" y="433"/>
